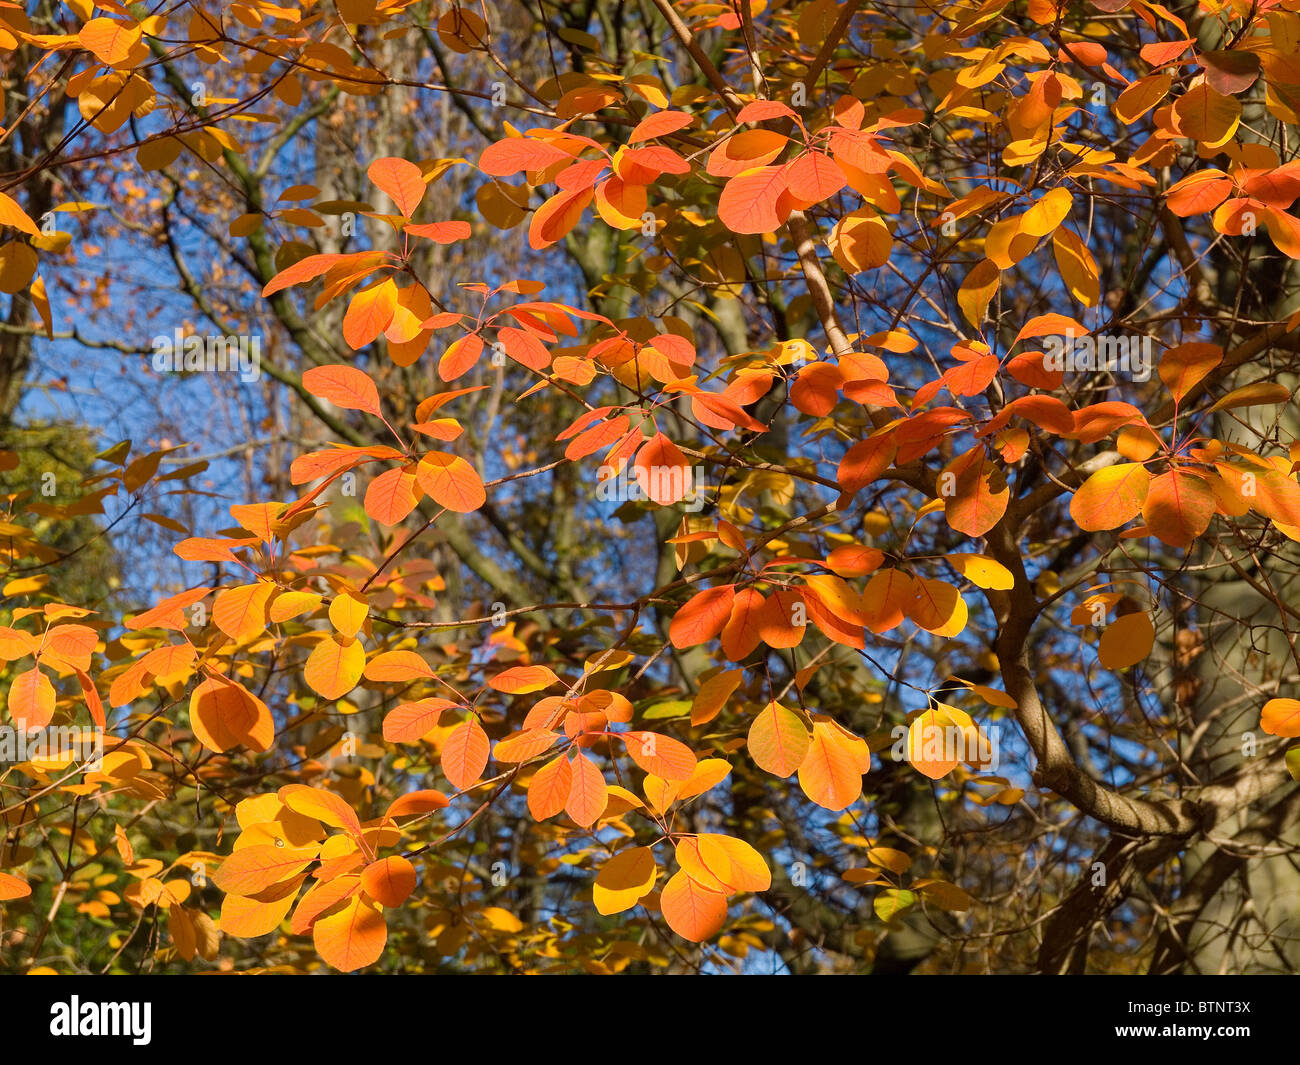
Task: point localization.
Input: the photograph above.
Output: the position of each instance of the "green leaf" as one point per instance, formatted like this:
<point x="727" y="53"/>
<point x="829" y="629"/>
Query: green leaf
<point x="892" y="904"/>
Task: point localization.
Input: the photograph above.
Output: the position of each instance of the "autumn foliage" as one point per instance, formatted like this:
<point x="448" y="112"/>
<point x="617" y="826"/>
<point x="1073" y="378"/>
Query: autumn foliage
<point x="674" y="545"/>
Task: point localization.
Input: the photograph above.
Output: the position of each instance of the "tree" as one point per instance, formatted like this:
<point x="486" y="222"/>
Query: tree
<point x="802" y="488"/>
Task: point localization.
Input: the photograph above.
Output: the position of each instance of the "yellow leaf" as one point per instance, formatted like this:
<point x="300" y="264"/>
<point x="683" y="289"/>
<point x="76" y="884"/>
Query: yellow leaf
<point x="1126" y="641"/>
<point x="1206" y="115"/>
<point x="1078" y="267"/>
<point x="334" y="666"/>
<point x="348" y="613"/>
<point x="976" y="291"/>
<point x="624" y="880"/>
<point x="982" y="571"/>
<point x="1048" y="213"/>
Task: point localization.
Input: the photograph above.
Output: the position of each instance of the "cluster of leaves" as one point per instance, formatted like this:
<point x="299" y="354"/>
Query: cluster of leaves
<point x="949" y="435"/>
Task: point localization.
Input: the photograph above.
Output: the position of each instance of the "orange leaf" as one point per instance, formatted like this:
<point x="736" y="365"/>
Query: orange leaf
<point x="624" y="880"/>
<point x="390" y="880"/>
<point x="692" y="911"/>
<point x="1198" y="193"/>
<point x="417" y="802"/>
<point x="927" y="747"/>
<point x="31" y="699"/>
<point x="864" y="462"/>
<point x="1110" y="497"/>
<point x="1126" y="641"/>
<point x="391" y="496"/>
<point x="520" y="680"/>
<point x="548" y="791"/>
<point x="13" y="888"/>
<point x="223" y="714"/>
<point x="662" y="471"/>
<point x="831" y="773"/>
<point x="460" y="357"/>
<point x="352" y="938"/>
<point x="169" y="660"/>
<point x="778" y="740"/>
<point x="745" y="150"/>
<point x="752" y="202"/>
<point x="111" y="41"/>
<point x="1182" y="367"/>
<point x="93" y="702"/>
<point x="369" y="313"/>
<point x="815" y="177"/>
<point x="1178" y="507"/>
<point x="743" y="630"/>
<point x="402" y="181"/>
<point x="344" y="386"/>
<point x="324" y="896"/>
<point x="69" y="646"/>
<point x="465" y="754"/>
<point x="525" y="744"/>
<point x="13" y="215"/>
<point x="328" y="807"/>
<point x="249" y="918"/>
<point x="978" y="496"/>
<point x="556" y="217"/>
<point x="305" y="269"/>
<point x="657" y="125"/>
<point x="251" y="870"/>
<point x="334" y="666"/>
<point x="976" y="291"/>
<point x="408" y="722"/>
<point x="441" y="232"/>
<point x="524" y="348"/>
<point x="397" y="666"/>
<point x="1279" y="717"/>
<point x="588" y="794"/>
<point x="514" y="154"/>
<point x="702" y="616"/>
<point x="240" y="612"/>
<point x="1077" y="265"/>
<point x="451" y="482"/>
<point x="661" y="755"/>
<point x="733" y="863"/>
